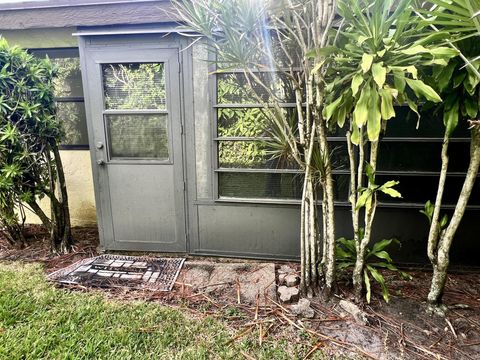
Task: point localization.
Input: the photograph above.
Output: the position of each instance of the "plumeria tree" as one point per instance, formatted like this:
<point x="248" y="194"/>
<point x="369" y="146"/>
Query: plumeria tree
<point x="377" y="61"/>
<point x="458" y="22"/>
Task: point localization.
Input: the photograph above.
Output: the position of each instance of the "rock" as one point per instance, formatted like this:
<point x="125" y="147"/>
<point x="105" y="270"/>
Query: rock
<point x="292" y="280"/>
<point x="303" y="309"/>
<point x="359" y="316"/>
<point x="288" y="294"/>
<point x="285" y="269"/>
<point x="281" y="279"/>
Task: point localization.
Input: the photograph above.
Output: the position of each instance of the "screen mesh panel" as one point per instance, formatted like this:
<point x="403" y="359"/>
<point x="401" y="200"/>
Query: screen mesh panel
<point x="138" y="136"/>
<point x="134" y="86"/>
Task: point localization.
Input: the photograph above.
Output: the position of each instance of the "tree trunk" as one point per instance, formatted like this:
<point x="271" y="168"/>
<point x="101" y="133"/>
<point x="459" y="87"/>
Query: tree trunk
<point x="435" y="229"/>
<point x="440" y="265"/>
<point x="64" y="242"/>
<point x="328" y="213"/>
<point x="357" y="277"/>
<point x="309" y="238"/>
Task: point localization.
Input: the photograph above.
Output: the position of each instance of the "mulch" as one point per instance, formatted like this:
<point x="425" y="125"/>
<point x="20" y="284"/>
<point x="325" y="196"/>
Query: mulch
<point x="400" y="329"/>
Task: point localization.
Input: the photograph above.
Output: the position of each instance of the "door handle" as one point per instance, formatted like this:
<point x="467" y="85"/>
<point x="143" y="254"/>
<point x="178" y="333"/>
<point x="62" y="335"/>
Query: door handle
<point x="100" y="162"/>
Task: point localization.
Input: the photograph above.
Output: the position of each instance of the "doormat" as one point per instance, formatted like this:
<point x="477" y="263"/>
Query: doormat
<point x="145" y="273"/>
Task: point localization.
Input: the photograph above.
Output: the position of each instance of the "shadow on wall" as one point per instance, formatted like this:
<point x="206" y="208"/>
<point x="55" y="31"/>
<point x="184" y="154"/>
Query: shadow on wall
<point x="78" y="174"/>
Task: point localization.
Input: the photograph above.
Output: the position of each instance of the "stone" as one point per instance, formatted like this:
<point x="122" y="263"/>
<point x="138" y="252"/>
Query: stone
<point x="288" y="294"/>
<point x="281" y="279"/>
<point x="292" y="280"/>
<point x="285" y="269"/>
<point x="303" y="309"/>
<point x="359" y="316"/>
<point x="256" y="281"/>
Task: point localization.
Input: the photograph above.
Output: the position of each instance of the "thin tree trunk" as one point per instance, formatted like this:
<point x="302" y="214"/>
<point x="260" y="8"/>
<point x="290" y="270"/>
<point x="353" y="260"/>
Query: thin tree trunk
<point x="329" y="216"/>
<point x="435" y="229"/>
<point x="362" y="246"/>
<point x="309" y="238"/>
<point x="65" y="242"/>
<point x="440" y="265"/>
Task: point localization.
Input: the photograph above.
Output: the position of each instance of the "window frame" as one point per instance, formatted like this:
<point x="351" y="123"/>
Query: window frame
<point x="216" y="169"/>
<point x="66" y="99"/>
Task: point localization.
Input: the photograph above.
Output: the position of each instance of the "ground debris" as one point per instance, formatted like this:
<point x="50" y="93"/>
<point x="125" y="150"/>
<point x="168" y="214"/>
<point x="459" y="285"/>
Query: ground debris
<point x="303" y="309"/>
<point x="399" y="329"/>
<point x="359" y="316"/>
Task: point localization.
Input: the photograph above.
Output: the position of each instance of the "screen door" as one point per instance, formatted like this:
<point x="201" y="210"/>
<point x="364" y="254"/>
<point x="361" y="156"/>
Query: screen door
<point x="137" y="150"/>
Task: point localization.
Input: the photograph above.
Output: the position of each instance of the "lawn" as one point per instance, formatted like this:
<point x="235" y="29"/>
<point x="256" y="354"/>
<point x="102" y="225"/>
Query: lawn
<point x="39" y="321"/>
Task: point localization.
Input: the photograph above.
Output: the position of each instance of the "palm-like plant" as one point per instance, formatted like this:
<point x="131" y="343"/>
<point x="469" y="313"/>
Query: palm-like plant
<point x="380" y="50"/>
<point x="268" y="41"/>
<point x="459" y="84"/>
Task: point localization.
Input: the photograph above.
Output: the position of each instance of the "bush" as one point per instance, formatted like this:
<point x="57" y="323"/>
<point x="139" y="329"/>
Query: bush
<point x="29" y="157"/>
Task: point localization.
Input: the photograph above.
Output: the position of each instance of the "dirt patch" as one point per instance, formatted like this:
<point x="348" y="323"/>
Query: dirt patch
<point x="400" y="329"/>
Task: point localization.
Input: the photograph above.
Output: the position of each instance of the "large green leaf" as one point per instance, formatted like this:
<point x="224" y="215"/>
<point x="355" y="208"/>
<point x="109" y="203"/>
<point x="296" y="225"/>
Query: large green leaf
<point x="356" y="82"/>
<point x="422" y="89"/>
<point x="330" y="108"/>
<point x="379" y="74"/>
<point x="380" y="280"/>
<point x="374" y="124"/>
<point x="387" y="108"/>
<point x="367" y="60"/>
<point x="360" y="114"/>
<point x="381" y="245"/>
<point x="450" y="117"/>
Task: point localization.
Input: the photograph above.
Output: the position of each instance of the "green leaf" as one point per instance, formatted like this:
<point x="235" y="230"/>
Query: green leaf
<point x="379" y="279"/>
<point x="374" y="124"/>
<point x="422" y="89"/>
<point x="444" y="221"/>
<point x="367" y="60"/>
<point x="363" y="198"/>
<point x="383" y="255"/>
<point x="399" y="80"/>
<point x="361" y="39"/>
<point x="471" y="107"/>
<point x="387" y="110"/>
<point x="414" y="50"/>
<point x="380" y="245"/>
<point x="356" y="82"/>
<point x="349" y="244"/>
<point x="360" y="114"/>
<point x="428" y="210"/>
<point x="450" y="117"/>
<point x="458" y="79"/>
<point x="379" y="74"/>
<point x="444" y="52"/>
<point x="387" y="189"/>
<point x="330" y="108"/>
<point x="367" y="286"/>
<point x="355" y="135"/>
<point x="444" y="76"/>
<point x="370" y="173"/>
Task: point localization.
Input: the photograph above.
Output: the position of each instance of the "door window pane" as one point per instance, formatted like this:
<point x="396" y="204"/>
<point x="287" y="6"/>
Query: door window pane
<point x="137" y="136"/>
<point x="134" y="86"/>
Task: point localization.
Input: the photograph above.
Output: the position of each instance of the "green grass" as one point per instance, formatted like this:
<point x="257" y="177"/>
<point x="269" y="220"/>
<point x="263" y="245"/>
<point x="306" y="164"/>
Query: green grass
<point x="38" y="321"/>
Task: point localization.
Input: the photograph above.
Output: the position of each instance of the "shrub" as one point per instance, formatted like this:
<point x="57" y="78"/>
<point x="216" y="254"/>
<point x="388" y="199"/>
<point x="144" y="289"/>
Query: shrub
<point x="30" y="165"/>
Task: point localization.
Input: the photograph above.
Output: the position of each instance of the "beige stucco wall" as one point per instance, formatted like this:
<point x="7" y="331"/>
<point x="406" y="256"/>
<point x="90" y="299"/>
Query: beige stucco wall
<point x="41" y="38"/>
<point x="78" y="175"/>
